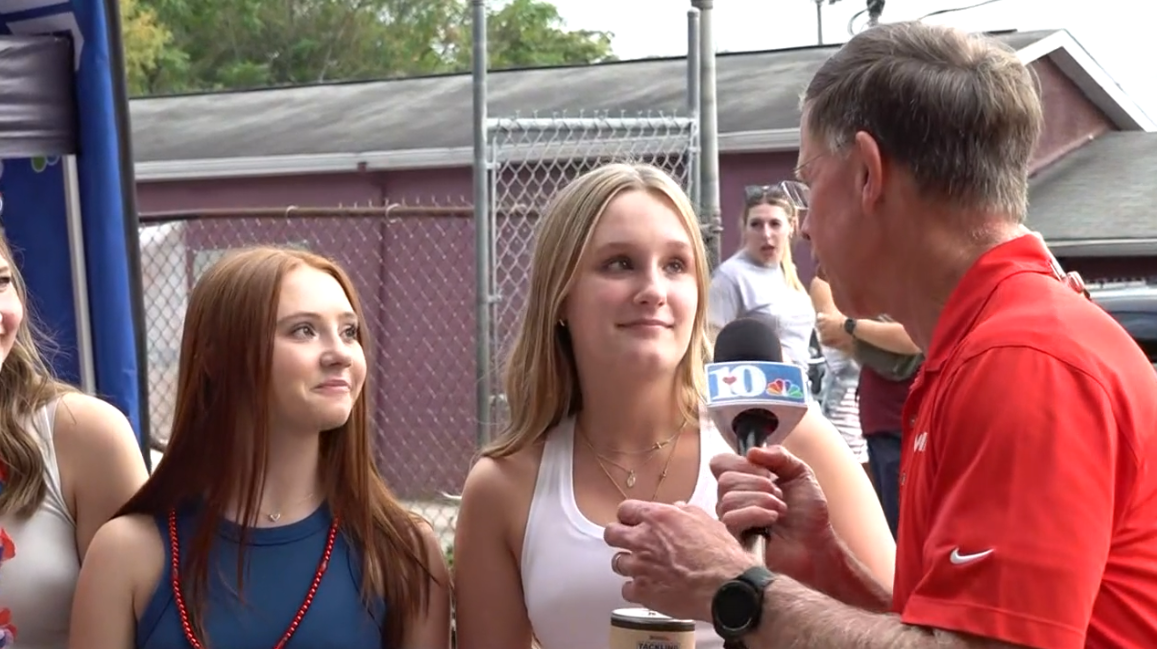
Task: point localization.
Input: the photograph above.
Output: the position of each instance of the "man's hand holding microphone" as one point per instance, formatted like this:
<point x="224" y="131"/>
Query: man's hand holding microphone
<point x="765" y="491"/>
<point x="679" y="560"/>
<point x="770" y="488"/>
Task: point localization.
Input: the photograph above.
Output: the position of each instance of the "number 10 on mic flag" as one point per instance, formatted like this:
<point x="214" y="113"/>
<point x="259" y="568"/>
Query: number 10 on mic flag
<point x="755" y="383"/>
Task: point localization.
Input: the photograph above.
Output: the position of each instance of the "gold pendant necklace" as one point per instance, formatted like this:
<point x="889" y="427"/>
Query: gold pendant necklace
<point x="275" y="515"/>
<point x="662" y="473"/>
<point x="631" y="473"/>
<point x="632" y="477"/>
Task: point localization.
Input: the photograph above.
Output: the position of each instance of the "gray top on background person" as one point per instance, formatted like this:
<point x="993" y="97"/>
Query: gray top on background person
<point x="741" y="287"/>
<point x="761" y="277"/>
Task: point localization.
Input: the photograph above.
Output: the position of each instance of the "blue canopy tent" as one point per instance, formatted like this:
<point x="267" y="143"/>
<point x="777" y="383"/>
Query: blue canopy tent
<point x="68" y="192"/>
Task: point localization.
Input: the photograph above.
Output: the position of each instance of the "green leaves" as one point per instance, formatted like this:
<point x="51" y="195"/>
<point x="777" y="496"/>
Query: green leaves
<point x="188" y="45"/>
<point x="145" y="41"/>
<point x="530" y="33"/>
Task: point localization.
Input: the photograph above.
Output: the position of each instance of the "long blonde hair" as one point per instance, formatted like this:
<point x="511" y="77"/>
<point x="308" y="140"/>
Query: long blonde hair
<point x="540" y="377"/>
<point x="26" y="384"/>
<point x="775" y="197"/>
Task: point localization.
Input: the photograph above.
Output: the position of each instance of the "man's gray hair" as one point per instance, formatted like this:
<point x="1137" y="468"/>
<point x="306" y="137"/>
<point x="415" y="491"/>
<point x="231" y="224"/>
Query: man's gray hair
<point x="960" y="112"/>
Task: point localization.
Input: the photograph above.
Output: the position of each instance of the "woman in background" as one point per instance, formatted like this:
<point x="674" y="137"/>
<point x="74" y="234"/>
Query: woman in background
<point x="68" y="461"/>
<point x="838" y="397"/>
<point x="604" y="385"/>
<point x="266" y="523"/>
<point x="762" y="278"/>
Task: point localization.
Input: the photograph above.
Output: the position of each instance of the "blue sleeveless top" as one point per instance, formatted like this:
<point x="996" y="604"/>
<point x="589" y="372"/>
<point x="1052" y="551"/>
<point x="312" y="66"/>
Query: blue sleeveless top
<point x="280" y="563"/>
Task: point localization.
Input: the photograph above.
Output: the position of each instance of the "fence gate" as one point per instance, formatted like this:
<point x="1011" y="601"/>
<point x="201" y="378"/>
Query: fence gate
<point x="531" y="158"/>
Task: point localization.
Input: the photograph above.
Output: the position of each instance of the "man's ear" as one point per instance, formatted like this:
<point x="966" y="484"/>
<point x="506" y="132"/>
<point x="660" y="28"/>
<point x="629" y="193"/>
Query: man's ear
<point x="870" y="172"/>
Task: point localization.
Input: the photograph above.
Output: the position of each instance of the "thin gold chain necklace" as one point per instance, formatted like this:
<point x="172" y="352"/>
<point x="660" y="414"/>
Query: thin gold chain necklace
<point x="657" y="446"/>
<point x="631" y="475"/>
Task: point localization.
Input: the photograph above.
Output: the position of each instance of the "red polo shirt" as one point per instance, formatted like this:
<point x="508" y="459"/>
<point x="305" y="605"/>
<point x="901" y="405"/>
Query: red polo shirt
<point x="1028" y="498"/>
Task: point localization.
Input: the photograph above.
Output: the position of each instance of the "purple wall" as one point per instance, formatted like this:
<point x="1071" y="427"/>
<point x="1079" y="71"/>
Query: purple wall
<point x="228" y="193"/>
<point x="738" y="171"/>
<point x="424" y="186"/>
<point x="415" y="276"/>
<point x="421" y="337"/>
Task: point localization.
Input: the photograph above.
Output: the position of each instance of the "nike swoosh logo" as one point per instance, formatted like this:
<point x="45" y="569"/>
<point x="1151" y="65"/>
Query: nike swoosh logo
<point x="959" y="559"/>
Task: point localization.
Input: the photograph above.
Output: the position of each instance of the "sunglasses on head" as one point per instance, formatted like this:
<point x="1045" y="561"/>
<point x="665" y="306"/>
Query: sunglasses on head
<point x="756" y="193"/>
<point x="793" y="192"/>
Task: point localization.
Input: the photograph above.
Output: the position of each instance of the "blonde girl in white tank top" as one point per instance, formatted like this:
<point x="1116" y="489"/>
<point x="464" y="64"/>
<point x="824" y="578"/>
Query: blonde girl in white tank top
<point x="67" y="462"/>
<point x="603" y="384"/>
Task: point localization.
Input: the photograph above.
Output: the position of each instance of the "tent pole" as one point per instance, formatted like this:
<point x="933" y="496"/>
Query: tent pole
<point x="79" y="276"/>
<point x="120" y="90"/>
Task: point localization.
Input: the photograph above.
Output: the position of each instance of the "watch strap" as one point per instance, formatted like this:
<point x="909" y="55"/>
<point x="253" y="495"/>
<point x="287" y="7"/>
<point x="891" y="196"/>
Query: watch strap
<point x="850" y="326"/>
<point x="759" y="577"/>
<point x="756" y="579"/>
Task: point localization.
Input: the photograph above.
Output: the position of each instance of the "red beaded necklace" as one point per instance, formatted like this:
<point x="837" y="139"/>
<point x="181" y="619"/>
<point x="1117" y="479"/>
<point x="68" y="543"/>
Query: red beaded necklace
<point x="184" y="613"/>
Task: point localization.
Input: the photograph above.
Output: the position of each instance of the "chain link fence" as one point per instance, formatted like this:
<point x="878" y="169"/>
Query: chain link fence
<point x="411" y="266"/>
<point x="533" y="157"/>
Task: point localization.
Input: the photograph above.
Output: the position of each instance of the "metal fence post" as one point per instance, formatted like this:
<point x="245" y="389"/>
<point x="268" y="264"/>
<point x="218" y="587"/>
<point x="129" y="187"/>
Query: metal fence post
<point x="693" y="99"/>
<point x="482" y="226"/>
<point x="709" y="131"/>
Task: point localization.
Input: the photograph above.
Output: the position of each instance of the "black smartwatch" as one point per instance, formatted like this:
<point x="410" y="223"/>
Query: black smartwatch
<point x="850" y="326"/>
<point x="738" y="605"/>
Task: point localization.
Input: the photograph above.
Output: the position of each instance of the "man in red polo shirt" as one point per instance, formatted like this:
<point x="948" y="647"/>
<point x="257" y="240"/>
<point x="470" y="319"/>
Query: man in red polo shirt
<point x="1029" y="490"/>
<point x="1028" y="504"/>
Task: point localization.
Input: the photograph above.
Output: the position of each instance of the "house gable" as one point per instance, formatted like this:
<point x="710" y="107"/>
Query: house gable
<point x="1064" y="52"/>
<point x="1071" y="118"/>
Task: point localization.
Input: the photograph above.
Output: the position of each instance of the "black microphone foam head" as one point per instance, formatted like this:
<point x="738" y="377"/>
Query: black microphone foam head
<point x="750" y="338"/>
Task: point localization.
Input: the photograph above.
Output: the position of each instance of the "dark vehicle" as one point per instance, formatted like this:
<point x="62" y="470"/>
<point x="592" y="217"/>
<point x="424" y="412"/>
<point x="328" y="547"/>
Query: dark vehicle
<point x="1134" y="305"/>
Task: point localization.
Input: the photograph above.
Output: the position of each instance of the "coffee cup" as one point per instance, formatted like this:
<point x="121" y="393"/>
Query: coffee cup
<point x="640" y="628"/>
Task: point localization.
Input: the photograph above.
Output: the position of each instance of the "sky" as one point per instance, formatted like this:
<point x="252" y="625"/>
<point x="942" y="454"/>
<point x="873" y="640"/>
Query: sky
<point x="1113" y="34"/>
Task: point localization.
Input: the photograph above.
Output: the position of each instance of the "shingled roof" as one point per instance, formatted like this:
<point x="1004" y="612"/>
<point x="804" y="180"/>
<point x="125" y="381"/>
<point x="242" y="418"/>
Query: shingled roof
<point x="1101" y="199"/>
<point x="758" y="94"/>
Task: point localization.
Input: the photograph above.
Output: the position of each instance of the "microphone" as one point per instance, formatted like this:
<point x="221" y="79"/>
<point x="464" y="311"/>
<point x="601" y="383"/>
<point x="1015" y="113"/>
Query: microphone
<point x="751" y="391"/>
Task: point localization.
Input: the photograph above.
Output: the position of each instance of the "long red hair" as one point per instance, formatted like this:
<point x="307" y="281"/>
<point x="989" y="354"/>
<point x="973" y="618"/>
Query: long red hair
<point x="218" y="446"/>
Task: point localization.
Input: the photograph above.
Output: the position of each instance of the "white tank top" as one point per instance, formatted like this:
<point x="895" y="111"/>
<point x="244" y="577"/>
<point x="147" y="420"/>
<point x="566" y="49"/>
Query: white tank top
<point x="567" y="581"/>
<point x="37" y="583"/>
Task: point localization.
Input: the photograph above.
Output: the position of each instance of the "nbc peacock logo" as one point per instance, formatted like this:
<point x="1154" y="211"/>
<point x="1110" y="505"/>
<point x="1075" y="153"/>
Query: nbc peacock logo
<point x="784" y="388"/>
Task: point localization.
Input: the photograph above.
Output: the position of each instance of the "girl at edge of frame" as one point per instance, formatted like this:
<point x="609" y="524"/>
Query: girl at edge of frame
<point x="604" y="384"/>
<point x="69" y="461"/>
<point x="269" y="469"/>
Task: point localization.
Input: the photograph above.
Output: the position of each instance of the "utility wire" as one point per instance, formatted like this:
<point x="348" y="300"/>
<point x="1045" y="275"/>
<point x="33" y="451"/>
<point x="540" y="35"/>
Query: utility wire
<point x="877" y="7"/>
<point x="852" y="21"/>
<point x="955" y="9"/>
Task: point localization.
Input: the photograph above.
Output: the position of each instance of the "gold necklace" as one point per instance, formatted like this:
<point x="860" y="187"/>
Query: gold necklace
<point x="662" y="473"/>
<point x="631" y="473"/>
<point x="275" y="515"/>
<point x="657" y="446"/>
